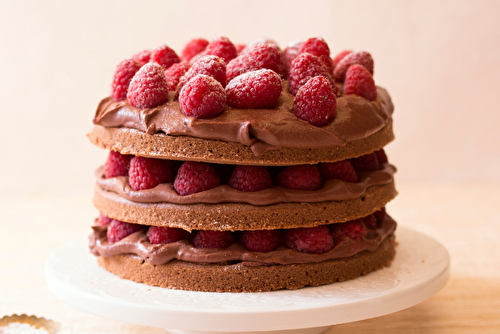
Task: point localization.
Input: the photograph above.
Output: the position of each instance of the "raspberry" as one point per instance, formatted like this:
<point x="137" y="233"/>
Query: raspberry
<point x="380" y="214"/>
<point x="340" y="56"/>
<point x="142" y="57"/>
<point x="354" y="229"/>
<point x="175" y="72"/>
<point x="315" y="102"/>
<point x="250" y="178"/>
<point x="340" y="170"/>
<point x="381" y="156"/>
<point x="164" y="56"/>
<point x="118" y="230"/>
<point x="121" y="80"/>
<point x="166" y="235"/>
<point x="370" y="221"/>
<point x="223" y="48"/>
<point x="213" y="239"/>
<point x="305" y="67"/>
<point x="367" y="162"/>
<point x="193" y="47"/>
<point x="212" y="66"/>
<point x="262" y="240"/>
<point x="194" y="177"/>
<point x="103" y="220"/>
<point x="360" y="57"/>
<point x="261" y="56"/>
<point x="302" y="177"/>
<point x="360" y="82"/>
<point x="202" y="97"/>
<point x="116" y="165"/>
<point x="147" y="173"/>
<point x="312" y="240"/>
<point x="291" y="52"/>
<point x="319" y="48"/>
<point x="149" y="87"/>
<point x="249" y="47"/>
<point x="255" y="90"/>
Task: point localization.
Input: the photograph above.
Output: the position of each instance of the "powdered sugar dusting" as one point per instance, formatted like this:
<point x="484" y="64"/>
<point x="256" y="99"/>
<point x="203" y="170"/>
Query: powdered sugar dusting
<point x="19" y="328"/>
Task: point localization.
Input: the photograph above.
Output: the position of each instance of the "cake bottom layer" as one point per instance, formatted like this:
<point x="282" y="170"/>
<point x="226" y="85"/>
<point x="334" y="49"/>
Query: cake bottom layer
<point x="243" y="278"/>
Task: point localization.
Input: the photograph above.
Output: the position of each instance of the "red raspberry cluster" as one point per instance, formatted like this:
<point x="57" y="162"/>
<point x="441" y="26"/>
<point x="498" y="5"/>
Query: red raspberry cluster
<point x="253" y="74"/>
<point x="311" y="240"/>
<point x="193" y="177"/>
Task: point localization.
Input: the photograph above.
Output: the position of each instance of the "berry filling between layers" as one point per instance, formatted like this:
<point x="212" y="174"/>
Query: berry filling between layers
<point x="196" y="182"/>
<point x="290" y="246"/>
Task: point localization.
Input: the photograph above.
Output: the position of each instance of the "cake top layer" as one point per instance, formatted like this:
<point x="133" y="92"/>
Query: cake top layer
<point x="256" y="95"/>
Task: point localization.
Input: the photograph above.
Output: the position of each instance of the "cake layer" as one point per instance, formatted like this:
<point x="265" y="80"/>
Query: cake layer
<point x="162" y="146"/>
<point x="332" y="190"/>
<point x="243" y="278"/>
<point x="138" y="243"/>
<point x="241" y="216"/>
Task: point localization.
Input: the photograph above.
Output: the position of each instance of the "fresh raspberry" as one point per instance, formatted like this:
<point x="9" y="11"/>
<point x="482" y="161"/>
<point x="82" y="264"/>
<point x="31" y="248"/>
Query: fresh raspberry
<point x="164" y="56"/>
<point x="370" y="221"/>
<point x="360" y="82"/>
<point x="262" y="240"/>
<point x="121" y="80"/>
<point x="291" y="52"/>
<point x="194" y="177"/>
<point x="315" y="102"/>
<point x="255" y="90"/>
<point x="175" y="72"/>
<point x="319" y="48"/>
<point x="116" y="165"/>
<point x="381" y="156"/>
<point x="240" y="47"/>
<point x="167" y="235"/>
<point x="212" y="66"/>
<point x="305" y="67"/>
<point x="354" y="229"/>
<point x="367" y="162"/>
<point x="223" y="48"/>
<point x="147" y="173"/>
<point x="118" y="230"/>
<point x="250" y="178"/>
<point x="312" y="240"/>
<point x="380" y="214"/>
<point x="340" y="56"/>
<point x="302" y="177"/>
<point x="103" y="220"/>
<point x="360" y="57"/>
<point x="213" y="239"/>
<point x="193" y="47"/>
<point x="149" y="87"/>
<point x="340" y="170"/>
<point x="261" y="56"/>
<point x="202" y="97"/>
<point x="142" y="57"/>
<point x="249" y="47"/>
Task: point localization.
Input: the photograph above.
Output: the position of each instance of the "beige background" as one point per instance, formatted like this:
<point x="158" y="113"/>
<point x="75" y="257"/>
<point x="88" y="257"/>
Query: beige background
<point x="440" y="61"/>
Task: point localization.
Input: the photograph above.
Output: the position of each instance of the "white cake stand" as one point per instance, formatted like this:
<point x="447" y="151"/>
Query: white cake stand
<point x="421" y="268"/>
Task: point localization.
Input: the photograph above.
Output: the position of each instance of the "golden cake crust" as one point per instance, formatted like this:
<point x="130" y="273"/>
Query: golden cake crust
<point x="161" y="146"/>
<point x="241" y="278"/>
<point x="240" y="216"/>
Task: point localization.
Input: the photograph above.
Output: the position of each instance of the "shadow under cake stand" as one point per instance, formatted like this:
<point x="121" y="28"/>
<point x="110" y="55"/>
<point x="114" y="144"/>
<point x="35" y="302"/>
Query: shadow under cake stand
<point x="420" y="269"/>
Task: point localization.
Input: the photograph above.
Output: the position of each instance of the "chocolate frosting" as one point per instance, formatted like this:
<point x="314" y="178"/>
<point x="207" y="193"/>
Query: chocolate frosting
<point x="261" y="129"/>
<point x="157" y="254"/>
<point x="333" y="190"/>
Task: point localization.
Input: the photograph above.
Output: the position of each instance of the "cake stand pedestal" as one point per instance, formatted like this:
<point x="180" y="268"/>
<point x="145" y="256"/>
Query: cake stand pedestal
<point x="421" y="268"/>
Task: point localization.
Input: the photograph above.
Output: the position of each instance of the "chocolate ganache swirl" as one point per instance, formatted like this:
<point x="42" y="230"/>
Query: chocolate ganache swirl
<point x="261" y="129"/>
<point x="157" y="254"/>
<point x="332" y="190"/>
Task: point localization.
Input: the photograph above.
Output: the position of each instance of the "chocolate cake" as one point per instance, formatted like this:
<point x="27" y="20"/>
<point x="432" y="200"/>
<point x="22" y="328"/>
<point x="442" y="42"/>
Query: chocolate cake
<point x="244" y="168"/>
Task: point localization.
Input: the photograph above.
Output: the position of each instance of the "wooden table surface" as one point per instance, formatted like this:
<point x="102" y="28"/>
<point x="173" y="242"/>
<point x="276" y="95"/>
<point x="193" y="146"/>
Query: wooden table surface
<point x="464" y="218"/>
